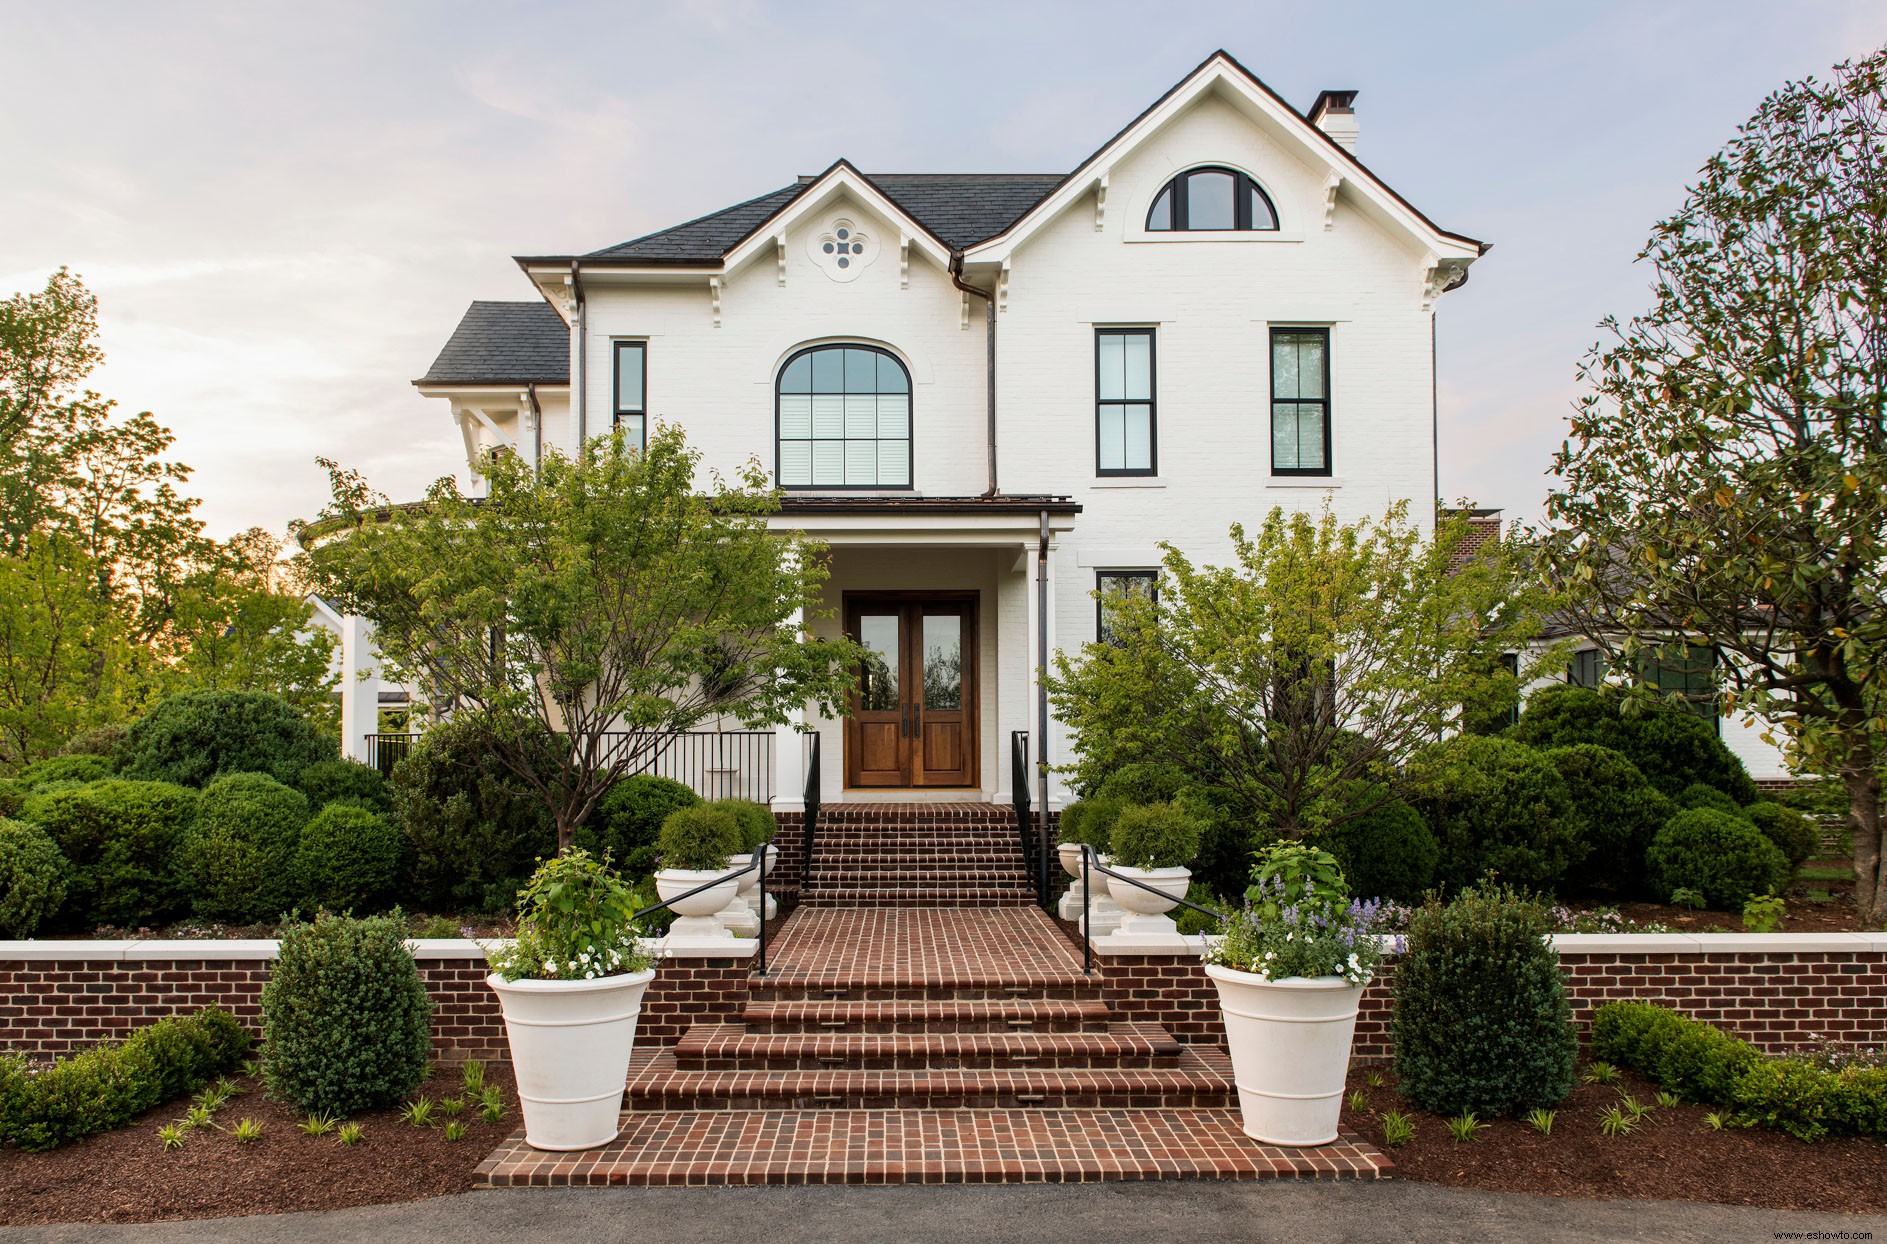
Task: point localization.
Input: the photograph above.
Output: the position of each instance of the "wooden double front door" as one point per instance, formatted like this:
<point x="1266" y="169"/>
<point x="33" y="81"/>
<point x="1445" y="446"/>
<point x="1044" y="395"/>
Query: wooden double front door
<point x="913" y="717"/>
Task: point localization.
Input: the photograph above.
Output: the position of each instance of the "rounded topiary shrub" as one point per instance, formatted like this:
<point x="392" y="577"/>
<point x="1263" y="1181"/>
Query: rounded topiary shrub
<point x="1618" y="813"/>
<point x="628" y="819"/>
<point x="1481" y="1021"/>
<point x="120" y="839"/>
<point x="1143" y="783"/>
<point x="1795" y="834"/>
<point x="1496" y="806"/>
<point x="1388" y="852"/>
<point x="757" y="823"/>
<point x="345" y="1018"/>
<point x="32" y="878"/>
<point x="1722" y="857"/>
<point x="698" y="838"/>
<point x="105" y="741"/>
<point x="1697" y="795"/>
<point x="236" y="860"/>
<point x="1090" y="821"/>
<point x="193" y="737"/>
<point x="80" y="768"/>
<point x="1154" y="835"/>
<point x="340" y="780"/>
<point x="1672" y="748"/>
<point x="473" y="831"/>
<point x="348" y="858"/>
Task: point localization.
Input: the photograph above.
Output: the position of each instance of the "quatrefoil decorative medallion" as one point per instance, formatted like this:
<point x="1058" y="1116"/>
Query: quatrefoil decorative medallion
<point x="842" y="251"/>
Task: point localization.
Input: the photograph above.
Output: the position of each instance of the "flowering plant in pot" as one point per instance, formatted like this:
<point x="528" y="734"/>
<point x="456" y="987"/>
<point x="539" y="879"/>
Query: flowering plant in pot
<point x="1153" y="844"/>
<point x="571" y="986"/>
<point x="1290" y="971"/>
<point x="696" y="846"/>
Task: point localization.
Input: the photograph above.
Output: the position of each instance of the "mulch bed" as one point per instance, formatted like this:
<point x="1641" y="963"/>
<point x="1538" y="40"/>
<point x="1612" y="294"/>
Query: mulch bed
<point x="1674" y="1155"/>
<point x="128" y="1175"/>
<point x="1834" y="914"/>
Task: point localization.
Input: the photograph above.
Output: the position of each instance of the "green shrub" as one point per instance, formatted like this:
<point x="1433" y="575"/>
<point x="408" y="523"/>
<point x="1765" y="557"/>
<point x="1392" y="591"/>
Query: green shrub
<point x="472" y="830"/>
<point x="32" y="878"/>
<point x="109" y="1085"/>
<point x="629" y="818"/>
<point x="1481" y="1020"/>
<point x="1496" y="806"/>
<point x="344" y="781"/>
<point x="757" y="824"/>
<point x="1694" y="1060"/>
<point x="13" y="796"/>
<point x="1388" y="852"/>
<point x="236" y="860"/>
<point x="1227" y="838"/>
<point x="193" y="737"/>
<point x="1618" y="813"/>
<point x="1191" y="923"/>
<point x="1725" y="858"/>
<point x="1143" y="783"/>
<point x="1672" y="748"/>
<point x="699" y="838"/>
<point x="120" y="838"/>
<point x="1154" y="835"/>
<point x="106" y="741"/>
<point x="346" y="1020"/>
<point x="65" y="769"/>
<point x="1697" y="795"/>
<point x="1795" y="835"/>
<point x="1090" y="821"/>
<point x="348" y="859"/>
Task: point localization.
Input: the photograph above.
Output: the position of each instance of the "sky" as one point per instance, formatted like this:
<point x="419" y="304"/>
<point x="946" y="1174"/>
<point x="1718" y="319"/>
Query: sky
<point x="284" y="209"/>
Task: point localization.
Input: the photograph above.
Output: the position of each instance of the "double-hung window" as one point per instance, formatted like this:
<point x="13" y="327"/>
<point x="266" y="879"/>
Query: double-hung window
<point x="1111" y="586"/>
<point x="1300" y="401"/>
<point x="1124" y="422"/>
<point x="632" y="392"/>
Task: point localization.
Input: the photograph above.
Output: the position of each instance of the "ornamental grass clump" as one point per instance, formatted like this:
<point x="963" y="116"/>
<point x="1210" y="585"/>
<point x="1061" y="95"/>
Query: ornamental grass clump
<point x="576" y="921"/>
<point x="1298" y="921"/>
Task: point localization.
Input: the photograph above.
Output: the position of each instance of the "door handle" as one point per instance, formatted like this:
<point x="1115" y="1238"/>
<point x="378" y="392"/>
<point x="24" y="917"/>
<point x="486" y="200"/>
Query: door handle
<point x="904" y="722"/>
<point x="917" y="721"/>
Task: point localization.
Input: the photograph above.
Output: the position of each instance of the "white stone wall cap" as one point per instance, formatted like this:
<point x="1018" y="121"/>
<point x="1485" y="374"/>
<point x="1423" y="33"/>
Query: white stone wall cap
<point x="66" y="951"/>
<point x="454" y="947"/>
<point x="204" y="949"/>
<point x="708" y="947"/>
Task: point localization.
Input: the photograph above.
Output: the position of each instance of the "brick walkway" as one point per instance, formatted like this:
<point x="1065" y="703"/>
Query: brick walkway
<point x="946" y="951"/>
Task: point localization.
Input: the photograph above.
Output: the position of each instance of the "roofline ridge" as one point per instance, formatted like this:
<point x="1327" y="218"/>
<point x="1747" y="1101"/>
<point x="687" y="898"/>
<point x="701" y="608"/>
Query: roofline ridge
<point x="734" y="207"/>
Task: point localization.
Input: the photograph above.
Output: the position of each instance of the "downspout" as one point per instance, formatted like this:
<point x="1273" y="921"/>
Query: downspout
<point x="1041" y="701"/>
<point x="1434" y="413"/>
<point x="989" y="364"/>
<point x="583" y="355"/>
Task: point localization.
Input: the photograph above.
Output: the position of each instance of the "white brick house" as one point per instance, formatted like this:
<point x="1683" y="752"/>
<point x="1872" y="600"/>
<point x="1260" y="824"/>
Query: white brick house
<point x="988" y="392"/>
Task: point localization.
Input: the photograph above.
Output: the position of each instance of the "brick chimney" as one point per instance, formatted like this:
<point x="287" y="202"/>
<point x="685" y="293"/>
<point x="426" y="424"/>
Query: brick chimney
<point x="1335" y="114"/>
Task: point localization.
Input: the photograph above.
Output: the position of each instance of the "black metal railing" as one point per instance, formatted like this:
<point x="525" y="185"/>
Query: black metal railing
<point x="1019" y="776"/>
<point x="759" y="861"/>
<point x="386" y="750"/>
<point x="715" y="764"/>
<point x="811" y="815"/>
<point x="1090" y="864"/>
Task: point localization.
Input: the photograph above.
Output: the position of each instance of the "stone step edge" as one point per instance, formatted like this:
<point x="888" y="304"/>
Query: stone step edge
<point x="704" y="1042"/>
<point x="928" y="1011"/>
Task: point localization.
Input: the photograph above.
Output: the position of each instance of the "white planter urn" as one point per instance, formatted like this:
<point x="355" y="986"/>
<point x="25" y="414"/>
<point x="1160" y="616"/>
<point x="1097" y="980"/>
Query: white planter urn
<point x="738" y="917"/>
<point x="570" y="1043"/>
<point x="1146" y="913"/>
<point x="697" y="916"/>
<point x="1103" y="913"/>
<point x="750" y="884"/>
<point x="1290" y="1046"/>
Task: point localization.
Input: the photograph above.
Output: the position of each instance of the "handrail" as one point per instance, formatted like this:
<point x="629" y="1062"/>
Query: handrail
<point x="1092" y="858"/>
<point x="759" y="861"/>
<point x="1019" y="780"/>
<point x="810" y="817"/>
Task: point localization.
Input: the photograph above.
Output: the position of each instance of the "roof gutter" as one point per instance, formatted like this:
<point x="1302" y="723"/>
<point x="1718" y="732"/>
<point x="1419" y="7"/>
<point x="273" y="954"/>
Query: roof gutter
<point x="989" y="362"/>
<point x="582" y="382"/>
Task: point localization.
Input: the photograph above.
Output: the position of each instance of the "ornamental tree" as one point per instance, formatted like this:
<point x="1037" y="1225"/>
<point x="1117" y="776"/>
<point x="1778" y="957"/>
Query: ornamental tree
<point x="1301" y="677"/>
<point x="601" y="600"/>
<point x="1726" y="477"/>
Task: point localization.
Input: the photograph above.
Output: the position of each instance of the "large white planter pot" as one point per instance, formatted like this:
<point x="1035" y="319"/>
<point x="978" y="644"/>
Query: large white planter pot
<point x="695" y="916"/>
<point x="1071" y="904"/>
<point x="1146" y="913"/>
<point x="738" y="916"/>
<point x="750" y="884"/>
<point x="1290" y="1046"/>
<point x="570" y="1043"/>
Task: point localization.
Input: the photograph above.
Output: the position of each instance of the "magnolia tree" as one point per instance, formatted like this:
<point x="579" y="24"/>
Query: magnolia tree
<point x="1726" y="478"/>
<point x="1301" y="677"/>
<point x="587" y="612"/>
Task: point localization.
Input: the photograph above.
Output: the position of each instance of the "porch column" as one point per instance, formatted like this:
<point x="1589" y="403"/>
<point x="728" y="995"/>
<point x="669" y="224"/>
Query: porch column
<point x="789" y="750"/>
<point x="360" y="688"/>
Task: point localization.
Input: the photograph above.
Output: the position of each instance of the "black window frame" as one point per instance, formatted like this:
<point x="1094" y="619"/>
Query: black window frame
<point x="910" y="439"/>
<point x="1246" y="185"/>
<point x="1700" y="687"/>
<point x="1272" y="400"/>
<point x="1587" y="663"/>
<point x="641" y="408"/>
<point x="1152" y="578"/>
<point x="1152" y="403"/>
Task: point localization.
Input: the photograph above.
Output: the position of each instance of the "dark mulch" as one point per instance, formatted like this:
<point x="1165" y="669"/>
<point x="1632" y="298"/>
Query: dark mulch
<point x="128" y="1175"/>
<point x="1674" y="1155"/>
<point x="1835" y="913"/>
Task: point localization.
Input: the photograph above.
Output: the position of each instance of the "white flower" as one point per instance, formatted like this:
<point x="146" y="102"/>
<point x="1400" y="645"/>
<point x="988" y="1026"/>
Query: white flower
<point x="549" y="966"/>
<point x="589" y="976"/>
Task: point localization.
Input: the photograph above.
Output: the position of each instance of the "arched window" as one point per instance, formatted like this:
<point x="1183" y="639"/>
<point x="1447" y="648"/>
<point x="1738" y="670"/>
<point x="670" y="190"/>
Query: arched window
<point x="843" y="414"/>
<point x="1211" y="198"/>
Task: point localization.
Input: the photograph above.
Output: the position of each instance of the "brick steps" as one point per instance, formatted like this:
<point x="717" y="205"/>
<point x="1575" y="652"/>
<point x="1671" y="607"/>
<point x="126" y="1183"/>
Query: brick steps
<point x="916" y="855"/>
<point x="730" y="1047"/>
<point x="1007" y="1014"/>
<point x="901" y="896"/>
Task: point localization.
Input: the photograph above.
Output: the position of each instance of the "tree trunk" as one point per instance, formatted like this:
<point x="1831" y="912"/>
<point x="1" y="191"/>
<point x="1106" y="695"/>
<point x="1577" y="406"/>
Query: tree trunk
<point x="1862" y="779"/>
<point x="566" y="830"/>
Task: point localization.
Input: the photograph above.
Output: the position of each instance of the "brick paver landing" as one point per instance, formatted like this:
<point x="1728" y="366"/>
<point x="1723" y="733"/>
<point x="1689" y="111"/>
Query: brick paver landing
<point x="940" y="948"/>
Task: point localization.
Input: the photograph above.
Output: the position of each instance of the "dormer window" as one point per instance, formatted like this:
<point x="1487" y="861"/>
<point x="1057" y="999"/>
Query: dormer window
<point x="1211" y="200"/>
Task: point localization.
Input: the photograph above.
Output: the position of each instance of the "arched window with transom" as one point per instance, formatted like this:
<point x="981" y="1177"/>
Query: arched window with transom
<point x="1211" y="199"/>
<point x="843" y="418"/>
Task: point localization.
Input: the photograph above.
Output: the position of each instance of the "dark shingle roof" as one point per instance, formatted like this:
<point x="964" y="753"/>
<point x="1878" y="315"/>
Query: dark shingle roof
<point x="505" y="343"/>
<point x="960" y="208"/>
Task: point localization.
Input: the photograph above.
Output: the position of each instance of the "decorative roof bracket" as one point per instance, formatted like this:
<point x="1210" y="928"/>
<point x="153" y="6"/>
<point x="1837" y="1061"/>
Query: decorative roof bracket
<point x="714" y="298"/>
<point x="1331" y="183"/>
<point x="1100" y="202"/>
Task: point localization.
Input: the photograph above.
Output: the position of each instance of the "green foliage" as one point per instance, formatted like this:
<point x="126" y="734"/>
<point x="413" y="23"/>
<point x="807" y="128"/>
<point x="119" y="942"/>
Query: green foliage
<point x="1090" y="821"/>
<point x="1684" y="896"/>
<point x="1697" y="795"/>
<point x="79" y="768"/>
<point x="1618" y="814"/>
<point x="350" y="1134"/>
<point x="1598" y="1071"/>
<point x="1316" y="935"/>
<point x="1615" y="1122"/>
<point x="104" y="741"/>
<point x="576" y="921"/>
<point x="418" y="1112"/>
<point x="1692" y="1059"/>
<point x="1192" y="923"/>
<point x="1466" y="1127"/>
<point x="108" y="1086"/>
<point x="342" y="780"/>
<point x="346" y="1020"/>
<point x="32" y="878"/>
<point x="1499" y="807"/>
<point x="120" y="838"/>
<point x="1144" y="783"/>
<point x="1398" y="1129"/>
<point x="698" y="838"/>
<point x="1481" y="1020"/>
<point x="199" y="735"/>
<point x="1155" y="835"/>
<point x="1388" y="852"/>
<point x="629" y="818"/>
<point x="1226" y="837"/>
<point x="1722" y="857"/>
<point x="1672" y="748"/>
<point x="348" y="858"/>
<point x="1764" y="913"/>
<point x="236" y="859"/>
<point x="757" y="823"/>
<point x="1541" y="1120"/>
<point x="1796" y="835"/>
<point x="1287" y="874"/>
<point x="472" y="829"/>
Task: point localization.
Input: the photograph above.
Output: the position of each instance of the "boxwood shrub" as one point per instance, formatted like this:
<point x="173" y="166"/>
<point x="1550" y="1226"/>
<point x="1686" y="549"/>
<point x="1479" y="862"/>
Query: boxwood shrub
<point x="698" y="838"/>
<point x="473" y="832"/>
<point x="32" y="878"/>
<point x="193" y="737"/>
<point x="1090" y="821"/>
<point x="1618" y="813"/>
<point x="629" y="818"/>
<point x="1143" y="783"/>
<point x="236" y="860"/>
<point x="120" y="838"/>
<point x="1698" y="795"/>
<point x="344" y="781"/>
<point x="1154" y="835"/>
<point x="1672" y="748"/>
<point x="757" y="823"/>
<point x="80" y="768"/>
<point x="1724" y="858"/>
<point x="1388" y="852"/>
<point x="346" y="1019"/>
<point x="1796" y="835"/>
<point x="348" y="859"/>
<point x="1496" y="806"/>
